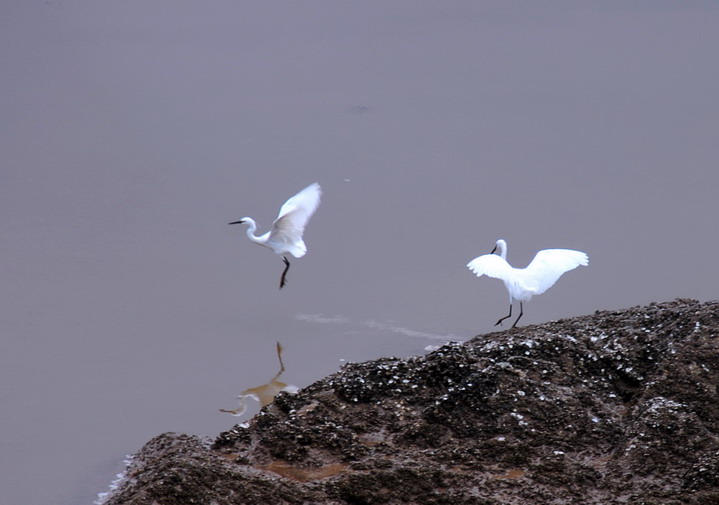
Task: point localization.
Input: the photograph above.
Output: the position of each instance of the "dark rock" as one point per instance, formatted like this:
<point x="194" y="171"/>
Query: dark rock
<point x="620" y="407"/>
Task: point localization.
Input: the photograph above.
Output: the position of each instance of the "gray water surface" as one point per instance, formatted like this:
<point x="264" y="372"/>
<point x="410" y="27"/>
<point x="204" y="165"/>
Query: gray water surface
<point x="133" y="132"/>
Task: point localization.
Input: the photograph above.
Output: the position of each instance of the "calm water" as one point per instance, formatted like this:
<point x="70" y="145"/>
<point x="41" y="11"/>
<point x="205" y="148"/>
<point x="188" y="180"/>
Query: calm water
<point x="133" y="133"/>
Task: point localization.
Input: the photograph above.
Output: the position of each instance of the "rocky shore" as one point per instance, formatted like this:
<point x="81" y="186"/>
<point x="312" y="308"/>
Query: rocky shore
<point x="618" y="407"/>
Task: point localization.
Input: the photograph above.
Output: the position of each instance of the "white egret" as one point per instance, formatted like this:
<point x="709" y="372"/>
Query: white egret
<point x="545" y="269"/>
<point x="285" y="237"/>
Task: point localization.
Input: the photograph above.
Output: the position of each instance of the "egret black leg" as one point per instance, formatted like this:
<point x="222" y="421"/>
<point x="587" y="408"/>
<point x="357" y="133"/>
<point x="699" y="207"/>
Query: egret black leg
<point x="284" y="273"/>
<point x="505" y="317"/>
<point x="521" y="312"/>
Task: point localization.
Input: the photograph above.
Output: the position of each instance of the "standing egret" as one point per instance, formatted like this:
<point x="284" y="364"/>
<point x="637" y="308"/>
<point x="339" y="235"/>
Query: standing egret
<point x="286" y="233"/>
<point x="545" y="269"/>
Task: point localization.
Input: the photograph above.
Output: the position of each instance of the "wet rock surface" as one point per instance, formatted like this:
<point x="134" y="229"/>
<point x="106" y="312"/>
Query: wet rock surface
<point x="616" y="407"/>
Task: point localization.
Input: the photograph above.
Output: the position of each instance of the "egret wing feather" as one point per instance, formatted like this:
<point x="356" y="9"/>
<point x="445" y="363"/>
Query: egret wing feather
<point x="286" y="234"/>
<point x="490" y="265"/>
<point x="306" y="201"/>
<point x="287" y="229"/>
<point x="548" y="266"/>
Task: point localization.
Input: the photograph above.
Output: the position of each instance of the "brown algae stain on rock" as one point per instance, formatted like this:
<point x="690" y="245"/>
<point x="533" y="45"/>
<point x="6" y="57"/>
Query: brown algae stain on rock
<point x="288" y="471"/>
<point x="515" y="473"/>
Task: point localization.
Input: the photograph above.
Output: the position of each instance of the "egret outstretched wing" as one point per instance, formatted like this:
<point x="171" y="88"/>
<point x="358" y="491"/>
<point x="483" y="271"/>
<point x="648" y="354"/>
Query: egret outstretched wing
<point x="290" y="224"/>
<point x="306" y="201"/>
<point x="548" y="266"/>
<point x="490" y="265"/>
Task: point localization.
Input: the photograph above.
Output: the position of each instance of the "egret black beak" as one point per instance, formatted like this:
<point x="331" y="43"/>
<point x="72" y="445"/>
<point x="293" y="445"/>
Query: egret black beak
<point x="237" y="222"/>
<point x="495" y="248"/>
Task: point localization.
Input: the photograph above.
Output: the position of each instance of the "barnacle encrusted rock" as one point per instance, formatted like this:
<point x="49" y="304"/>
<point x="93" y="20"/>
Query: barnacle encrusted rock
<point x="614" y="407"/>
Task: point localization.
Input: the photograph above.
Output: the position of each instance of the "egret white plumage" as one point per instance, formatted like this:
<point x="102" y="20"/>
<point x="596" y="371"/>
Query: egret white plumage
<point x="544" y="270"/>
<point x="285" y="236"/>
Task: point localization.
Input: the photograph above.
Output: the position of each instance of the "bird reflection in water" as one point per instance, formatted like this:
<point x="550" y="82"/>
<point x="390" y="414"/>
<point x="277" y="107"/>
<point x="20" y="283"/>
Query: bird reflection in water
<point x="265" y="393"/>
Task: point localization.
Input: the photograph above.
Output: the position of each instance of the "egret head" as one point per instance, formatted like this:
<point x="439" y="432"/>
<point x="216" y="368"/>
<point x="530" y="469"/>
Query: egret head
<point x="241" y="221"/>
<point x="500" y="246"/>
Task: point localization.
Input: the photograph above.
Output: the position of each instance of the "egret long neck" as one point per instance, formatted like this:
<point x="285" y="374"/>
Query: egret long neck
<point x="502" y="246"/>
<point x="251" y="228"/>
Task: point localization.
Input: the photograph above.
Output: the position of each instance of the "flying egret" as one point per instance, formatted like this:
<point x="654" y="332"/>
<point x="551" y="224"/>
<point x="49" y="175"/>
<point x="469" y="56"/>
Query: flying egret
<point x="545" y="269"/>
<point x="286" y="233"/>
